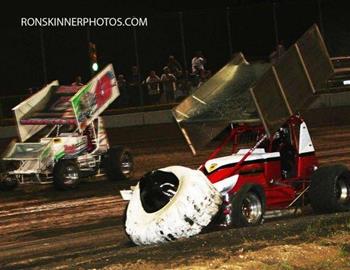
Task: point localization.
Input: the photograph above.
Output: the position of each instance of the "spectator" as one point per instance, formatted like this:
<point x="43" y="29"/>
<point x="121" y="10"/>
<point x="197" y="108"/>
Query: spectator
<point x="153" y="89"/>
<point x="169" y="84"/>
<point x="174" y="66"/>
<point x="198" y="62"/>
<point x="203" y="77"/>
<point x="77" y="81"/>
<point x="182" y="87"/>
<point x="135" y="89"/>
<point x="277" y="53"/>
<point x="123" y="89"/>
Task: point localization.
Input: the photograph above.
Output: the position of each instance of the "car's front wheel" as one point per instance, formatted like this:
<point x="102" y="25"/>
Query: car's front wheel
<point x="7" y="182"/>
<point x="248" y="209"/>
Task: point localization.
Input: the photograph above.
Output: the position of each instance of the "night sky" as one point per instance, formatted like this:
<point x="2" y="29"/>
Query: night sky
<point x="205" y="29"/>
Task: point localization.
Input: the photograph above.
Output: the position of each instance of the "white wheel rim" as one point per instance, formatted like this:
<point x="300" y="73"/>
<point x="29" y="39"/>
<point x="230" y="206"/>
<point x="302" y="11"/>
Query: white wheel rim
<point x="71" y="175"/>
<point x="343" y="191"/>
<point x="251" y="208"/>
<point x="126" y="164"/>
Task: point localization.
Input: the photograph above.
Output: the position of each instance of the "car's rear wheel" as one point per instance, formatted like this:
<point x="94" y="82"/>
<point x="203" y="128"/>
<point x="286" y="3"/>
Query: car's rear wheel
<point x="119" y="163"/>
<point x="343" y="191"/>
<point x="330" y="189"/>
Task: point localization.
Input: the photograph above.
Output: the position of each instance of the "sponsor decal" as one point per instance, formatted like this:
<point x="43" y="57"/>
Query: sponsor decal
<point x="212" y="167"/>
<point x="59" y="155"/>
<point x="94" y="98"/>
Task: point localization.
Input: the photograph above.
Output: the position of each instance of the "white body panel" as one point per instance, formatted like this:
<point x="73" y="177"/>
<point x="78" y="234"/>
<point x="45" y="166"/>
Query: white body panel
<point x="227" y="184"/>
<point x="305" y="143"/>
<point x="22" y="109"/>
<point x="258" y="153"/>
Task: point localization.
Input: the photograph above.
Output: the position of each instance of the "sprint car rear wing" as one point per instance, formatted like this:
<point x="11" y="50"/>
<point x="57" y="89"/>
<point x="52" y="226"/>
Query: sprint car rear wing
<point x="66" y="105"/>
<point x="221" y="100"/>
<point x="241" y="92"/>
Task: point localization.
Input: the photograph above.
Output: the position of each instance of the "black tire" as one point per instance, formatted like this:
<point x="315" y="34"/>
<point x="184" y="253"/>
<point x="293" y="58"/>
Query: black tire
<point x="118" y="163"/>
<point x="66" y="174"/>
<point x="248" y="207"/>
<point x="7" y="183"/>
<point x="330" y="189"/>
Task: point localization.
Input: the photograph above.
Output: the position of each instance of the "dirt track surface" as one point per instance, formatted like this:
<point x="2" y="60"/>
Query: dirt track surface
<point x="46" y="229"/>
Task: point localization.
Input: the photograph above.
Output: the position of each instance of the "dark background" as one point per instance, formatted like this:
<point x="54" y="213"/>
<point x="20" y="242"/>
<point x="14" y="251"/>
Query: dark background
<point x="205" y="29"/>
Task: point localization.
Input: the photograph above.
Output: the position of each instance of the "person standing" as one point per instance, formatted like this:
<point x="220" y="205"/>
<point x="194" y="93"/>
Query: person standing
<point x="135" y="87"/>
<point x="123" y="89"/>
<point x="153" y="88"/>
<point x="182" y="87"/>
<point x="169" y="84"/>
<point x="198" y="62"/>
<point x="277" y="53"/>
<point x="174" y="66"/>
<point x="77" y="81"/>
<point x="198" y="69"/>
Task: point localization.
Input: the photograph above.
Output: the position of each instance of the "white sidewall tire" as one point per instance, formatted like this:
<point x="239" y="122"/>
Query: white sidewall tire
<point x="191" y="209"/>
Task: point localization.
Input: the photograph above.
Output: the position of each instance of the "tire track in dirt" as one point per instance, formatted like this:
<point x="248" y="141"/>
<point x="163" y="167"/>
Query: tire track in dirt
<point x="39" y="225"/>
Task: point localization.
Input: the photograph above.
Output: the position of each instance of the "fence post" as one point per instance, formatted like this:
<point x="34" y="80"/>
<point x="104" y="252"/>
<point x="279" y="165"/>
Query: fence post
<point x="229" y="35"/>
<point x="320" y="17"/>
<point x="275" y="22"/>
<point x="43" y="58"/>
<point x="1" y="113"/>
<point x="137" y="60"/>
<point x="183" y="46"/>
<point x="88" y="37"/>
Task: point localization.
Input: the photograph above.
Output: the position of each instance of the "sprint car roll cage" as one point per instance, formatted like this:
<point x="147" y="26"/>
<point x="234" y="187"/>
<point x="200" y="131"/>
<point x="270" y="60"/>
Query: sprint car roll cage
<point x="282" y="166"/>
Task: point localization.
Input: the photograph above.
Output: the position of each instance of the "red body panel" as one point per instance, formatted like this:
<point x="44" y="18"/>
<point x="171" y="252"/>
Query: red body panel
<point x="265" y="174"/>
<point x="281" y="189"/>
<point x="279" y="196"/>
<point x="306" y="165"/>
<point x="272" y="170"/>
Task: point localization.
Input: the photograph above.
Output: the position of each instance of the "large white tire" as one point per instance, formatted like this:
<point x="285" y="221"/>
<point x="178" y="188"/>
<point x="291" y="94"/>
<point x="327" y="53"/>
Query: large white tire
<point x="193" y="206"/>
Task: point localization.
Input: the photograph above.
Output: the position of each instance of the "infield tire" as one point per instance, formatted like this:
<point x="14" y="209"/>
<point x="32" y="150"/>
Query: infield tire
<point x="192" y="207"/>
